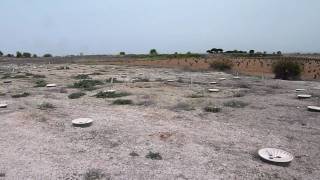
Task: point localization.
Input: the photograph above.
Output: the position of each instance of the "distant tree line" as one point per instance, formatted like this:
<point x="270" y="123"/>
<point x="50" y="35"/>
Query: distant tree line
<point x="23" y="55"/>
<point x="250" y="53"/>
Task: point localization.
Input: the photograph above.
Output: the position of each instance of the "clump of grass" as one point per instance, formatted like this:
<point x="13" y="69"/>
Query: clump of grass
<point x="122" y="102"/>
<point x="94" y="174"/>
<point x="212" y="109"/>
<point x="102" y="94"/>
<point x="115" y="80"/>
<point x="76" y="95"/>
<point x="82" y="76"/>
<point x="40" y="83"/>
<point x="221" y="65"/>
<point x="154" y="156"/>
<point x="63" y="68"/>
<point x="236" y="104"/>
<point x="182" y="107"/>
<point x="25" y="94"/>
<point x="46" y="106"/>
<point x="87" y="84"/>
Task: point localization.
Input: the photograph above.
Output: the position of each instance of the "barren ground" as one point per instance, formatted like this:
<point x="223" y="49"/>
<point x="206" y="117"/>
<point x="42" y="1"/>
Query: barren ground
<point x="194" y="144"/>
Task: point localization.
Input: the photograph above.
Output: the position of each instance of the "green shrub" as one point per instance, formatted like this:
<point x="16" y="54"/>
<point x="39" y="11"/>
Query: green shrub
<point x="221" y="65"/>
<point x="122" y="102"/>
<point x="235" y="104"/>
<point x="287" y="70"/>
<point x="87" y="84"/>
<point x="154" y="156"/>
<point x="82" y="76"/>
<point x="47" y="55"/>
<point x="153" y="52"/>
<point x="111" y="94"/>
<point x="76" y="95"/>
<point x="25" y="94"/>
<point x="40" y="83"/>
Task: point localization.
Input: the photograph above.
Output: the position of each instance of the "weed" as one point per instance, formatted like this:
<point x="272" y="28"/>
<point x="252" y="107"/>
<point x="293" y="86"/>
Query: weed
<point x="111" y="94"/>
<point x="40" y="83"/>
<point x="46" y="106"/>
<point x="76" y="95"/>
<point x="154" y="156"/>
<point x="122" y="102"/>
<point x="236" y="104"/>
<point x="25" y="94"/>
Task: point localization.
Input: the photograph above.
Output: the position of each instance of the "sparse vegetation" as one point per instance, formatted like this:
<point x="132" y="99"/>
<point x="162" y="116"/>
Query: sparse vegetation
<point x="25" y="94"/>
<point x="111" y="94"/>
<point x="46" y="106"/>
<point x="123" y="102"/>
<point x="154" y="156"/>
<point x="76" y="95"/>
<point x="236" y="104"/>
<point x="221" y="65"/>
<point x="94" y="174"/>
<point x="287" y="70"/>
<point x="87" y="84"/>
<point x="40" y="83"/>
<point x="212" y="109"/>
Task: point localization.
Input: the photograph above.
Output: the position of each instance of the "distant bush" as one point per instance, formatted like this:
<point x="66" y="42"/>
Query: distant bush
<point x="40" y="83"/>
<point x="47" y="55"/>
<point x="111" y="94"/>
<point x="26" y="55"/>
<point x="76" y="95"/>
<point x="287" y="70"/>
<point x="122" y="102"/>
<point x="34" y="56"/>
<point x="1" y="54"/>
<point x="25" y="94"/>
<point x="221" y="65"/>
<point x="212" y="109"/>
<point x="19" y="54"/>
<point x="122" y="53"/>
<point x="10" y="55"/>
<point x="87" y="84"/>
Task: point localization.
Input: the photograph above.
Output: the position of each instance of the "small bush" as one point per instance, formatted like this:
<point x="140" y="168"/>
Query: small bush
<point x="76" y="95"/>
<point x="212" y="109"/>
<point x="25" y="94"/>
<point x="235" y="104"/>
<point x="63" y="68"/>
<point x="87" y="84"/>
<point x="82" y="76"/>
<point x="287" y="70"/>
<point x="122" y="102"/>
<point x="111" y="94"/>
<point x="115" y="80"/>
<point x="221" y="65"/>
<point x="40" y="83"/>
<point x="94" y="174"/>
<point x="154" y="156"/>
<point x="46" y="106"/>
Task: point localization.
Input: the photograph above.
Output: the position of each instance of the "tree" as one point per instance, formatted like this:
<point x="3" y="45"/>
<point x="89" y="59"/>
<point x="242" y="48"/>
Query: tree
<point x="19" y="54"/>
<point x="10" y="55"/>
<point x="153" y="52"/>
<point x="26" y="55"/>
<point x="34" y="56"/>
<point x="279" y="53"/>
<point x="1" y="54"/>
<point x="251" y="52"/>
<point x="47" y="55"/>
<point x="122" y="53"/>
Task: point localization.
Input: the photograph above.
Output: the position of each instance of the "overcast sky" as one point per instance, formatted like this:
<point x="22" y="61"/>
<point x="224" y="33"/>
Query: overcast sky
<point x="64" y="27"/>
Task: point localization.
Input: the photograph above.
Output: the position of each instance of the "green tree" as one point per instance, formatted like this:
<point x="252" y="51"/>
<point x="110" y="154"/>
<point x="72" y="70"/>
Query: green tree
<point x="34" y="56"/>
<point x="47" y="55"/>
<point x="153" y="52"/>
<point x="1" y="54"/>
<point x="251" y="51"/>
<point x="279" y="53"/>
<point x="122" y="53"/>
<point x="19" y="54"/>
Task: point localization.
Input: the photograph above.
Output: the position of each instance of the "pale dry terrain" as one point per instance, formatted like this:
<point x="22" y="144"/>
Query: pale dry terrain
<point x="166" y="118"/>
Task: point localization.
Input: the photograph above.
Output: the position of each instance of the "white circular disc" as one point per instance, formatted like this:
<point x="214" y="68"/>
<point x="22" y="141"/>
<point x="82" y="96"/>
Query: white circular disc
<point x="275" y="155"/>
<point x="110" y="91"/>
<point x="214" y="90"/>
<point x="300" y="90"/>
<point x="170" y="80"/>
<point x="51" y="85"/>
<point x="82" y="121"/>
<point x="304" y="96"/>
<point x="314" y="108"/>
<point x="236" y="77"/>
<point x="3" y="105"/>
<point x="222" y="79"/>
<point x="213" y="82"/>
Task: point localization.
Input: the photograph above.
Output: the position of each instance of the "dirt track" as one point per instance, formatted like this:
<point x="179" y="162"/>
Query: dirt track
<point x="43" y="144"/>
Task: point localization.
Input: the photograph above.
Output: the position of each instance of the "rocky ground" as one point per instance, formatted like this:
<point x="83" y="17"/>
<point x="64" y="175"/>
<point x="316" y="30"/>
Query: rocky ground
<point x="165" y="133"/>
